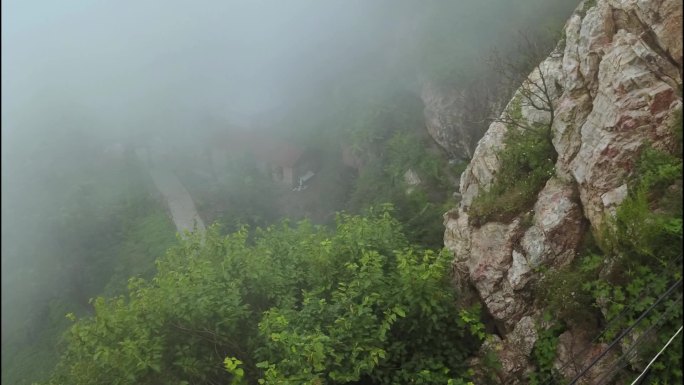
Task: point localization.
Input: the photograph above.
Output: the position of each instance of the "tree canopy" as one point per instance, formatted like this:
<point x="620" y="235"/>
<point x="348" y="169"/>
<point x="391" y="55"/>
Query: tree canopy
<point x="292" y="304"/>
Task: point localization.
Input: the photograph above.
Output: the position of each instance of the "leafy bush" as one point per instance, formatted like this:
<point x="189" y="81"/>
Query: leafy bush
<point x="97" y="226"/>
<point x="642" y="227"/>
<point x="644" y="243"/>
<point x="640" y="256"/>
<point x="296" y="305"/>
<point x="544" y="355"/>
<point x="560" y="293"/>
<point x="678" y="131"/>
<point x="382" y="181"/>
<point x="642" y="249"/>
<point x="419" y="213"/>
<point x="146" y="238"/>
<point x="526" y="163"/>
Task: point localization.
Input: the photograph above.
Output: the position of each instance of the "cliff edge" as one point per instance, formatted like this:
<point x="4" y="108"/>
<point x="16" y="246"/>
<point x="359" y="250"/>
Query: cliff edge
<point x="615" y="86"/>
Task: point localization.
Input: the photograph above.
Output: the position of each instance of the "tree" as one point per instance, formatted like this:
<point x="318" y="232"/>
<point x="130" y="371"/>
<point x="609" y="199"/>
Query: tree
<point x="294" y="305"/>
<point x="523" y="70"/>
<point x="528" y="156"/>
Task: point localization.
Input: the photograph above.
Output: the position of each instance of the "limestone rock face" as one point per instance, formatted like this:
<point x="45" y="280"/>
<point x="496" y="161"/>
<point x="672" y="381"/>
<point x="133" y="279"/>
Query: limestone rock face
<point x="573" y="356"/>
<point x="617" y="87"/>
<point x="412" y="179"/>
<point x="449" y="118"/>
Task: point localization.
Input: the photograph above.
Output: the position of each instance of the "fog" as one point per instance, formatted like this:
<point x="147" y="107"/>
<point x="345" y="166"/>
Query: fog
<point x="151" y="66"/>
<point x="163" y="66"/>
<point x="80" y="75"/>
<point x="80" y="71"/>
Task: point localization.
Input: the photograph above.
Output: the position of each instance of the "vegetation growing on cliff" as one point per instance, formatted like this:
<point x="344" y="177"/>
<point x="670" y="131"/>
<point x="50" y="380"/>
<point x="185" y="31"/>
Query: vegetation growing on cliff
<point x="644" y="243"/>
<point x="526" y="163"/>
<point x="639" y="259"/>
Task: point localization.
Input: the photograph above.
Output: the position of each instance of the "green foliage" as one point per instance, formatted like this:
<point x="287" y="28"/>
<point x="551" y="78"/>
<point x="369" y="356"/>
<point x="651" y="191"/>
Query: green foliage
<point x="401" y="147"/>
<point x="645" y="238"/>
<point x="586" y="6"/>
<point x="406" y="150"/>
<point x="146" y="237"/>
<point x="105" y="229"/>
<point x="562" y="296"/>
<point x="296" y="305"/>
<point x="544" y="355"/>
<point x="233" y="367"/>
<point x="642" y="249"/>
<point x="527" y="162"/>
<point x="644" y="229"/>
<point x="639" y="258"/>
<point x="492" y="364"/>
<point x="677" y="129"/>
<point x="419" y="213"/>
<point x="471" y="319"/>
<point x="369" y="326"/>
<point x="634" y="292"/>
<point x="34" y="359"/>
<point x="458" y="168"/>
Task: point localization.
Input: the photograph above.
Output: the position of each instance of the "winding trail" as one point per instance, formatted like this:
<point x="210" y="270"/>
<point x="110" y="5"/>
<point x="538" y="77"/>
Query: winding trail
<point x="178" y="200"/>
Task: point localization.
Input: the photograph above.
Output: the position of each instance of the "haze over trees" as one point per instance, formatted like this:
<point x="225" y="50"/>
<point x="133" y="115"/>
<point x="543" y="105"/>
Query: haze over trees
<point x="334" y="298"/>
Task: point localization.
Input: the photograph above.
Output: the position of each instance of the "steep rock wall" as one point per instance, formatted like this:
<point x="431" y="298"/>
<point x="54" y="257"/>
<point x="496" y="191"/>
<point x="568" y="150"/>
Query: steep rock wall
<point x="454" y="115"/>
<point x="616" y="86"/>
<point x="446" y="122"/>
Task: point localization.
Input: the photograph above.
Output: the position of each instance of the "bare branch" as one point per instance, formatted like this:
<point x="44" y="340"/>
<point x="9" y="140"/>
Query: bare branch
<point x="525" y="71"/>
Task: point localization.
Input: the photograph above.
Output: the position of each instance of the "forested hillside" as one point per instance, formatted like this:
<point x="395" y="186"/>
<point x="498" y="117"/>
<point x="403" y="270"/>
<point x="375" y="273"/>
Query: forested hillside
<point x="107" y="227"/>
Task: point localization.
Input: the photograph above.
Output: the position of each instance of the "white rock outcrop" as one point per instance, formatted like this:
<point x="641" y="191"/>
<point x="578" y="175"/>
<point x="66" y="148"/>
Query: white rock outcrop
<point x="619" y="79"/>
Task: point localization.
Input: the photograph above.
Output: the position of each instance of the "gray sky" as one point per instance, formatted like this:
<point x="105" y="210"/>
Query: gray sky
<point x="121" y="68"/>
<point x="146" y="65"/>
<point x="117" y="68"/>
<point x="149" y="63"/>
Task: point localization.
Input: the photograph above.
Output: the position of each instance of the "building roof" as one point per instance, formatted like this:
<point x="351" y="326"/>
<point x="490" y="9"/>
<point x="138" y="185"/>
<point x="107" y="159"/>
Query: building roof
<point x="264" y="148"/>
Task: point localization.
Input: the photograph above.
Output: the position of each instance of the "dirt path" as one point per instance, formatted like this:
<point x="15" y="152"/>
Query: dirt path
<point x="178" y="200"/>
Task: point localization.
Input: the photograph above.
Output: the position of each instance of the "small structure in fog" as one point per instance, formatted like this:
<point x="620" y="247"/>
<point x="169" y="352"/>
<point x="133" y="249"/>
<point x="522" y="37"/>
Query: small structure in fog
<point x="349" y="158"/>
<point x="304" y="180"/>
<point x="286" y="163"/>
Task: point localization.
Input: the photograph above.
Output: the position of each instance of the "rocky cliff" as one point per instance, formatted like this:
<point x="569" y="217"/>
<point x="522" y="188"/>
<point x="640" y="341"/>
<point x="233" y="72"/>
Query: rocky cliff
<point x="455" y="116"/>
<point x="446" y="121"/>
<point x="615" y="85"/>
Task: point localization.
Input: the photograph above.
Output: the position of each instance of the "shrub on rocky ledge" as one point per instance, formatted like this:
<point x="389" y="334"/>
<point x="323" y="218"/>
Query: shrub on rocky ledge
<point x="527" y="162"/>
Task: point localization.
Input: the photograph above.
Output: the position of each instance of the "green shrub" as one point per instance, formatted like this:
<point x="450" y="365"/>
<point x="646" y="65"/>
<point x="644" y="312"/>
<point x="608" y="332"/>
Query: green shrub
<point x="643" y="246"/>
<point x="638" y="259"/>
<point x="544" y="355"/>
<point x="296" y="305"/>
<point x="588" y="4"/>
<point x="526" y="163"/>
<point x="382" y="181"/>
<point x="677" y="129"/>
<point x="562" y="296"/>
<point x="648" y="223"/>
